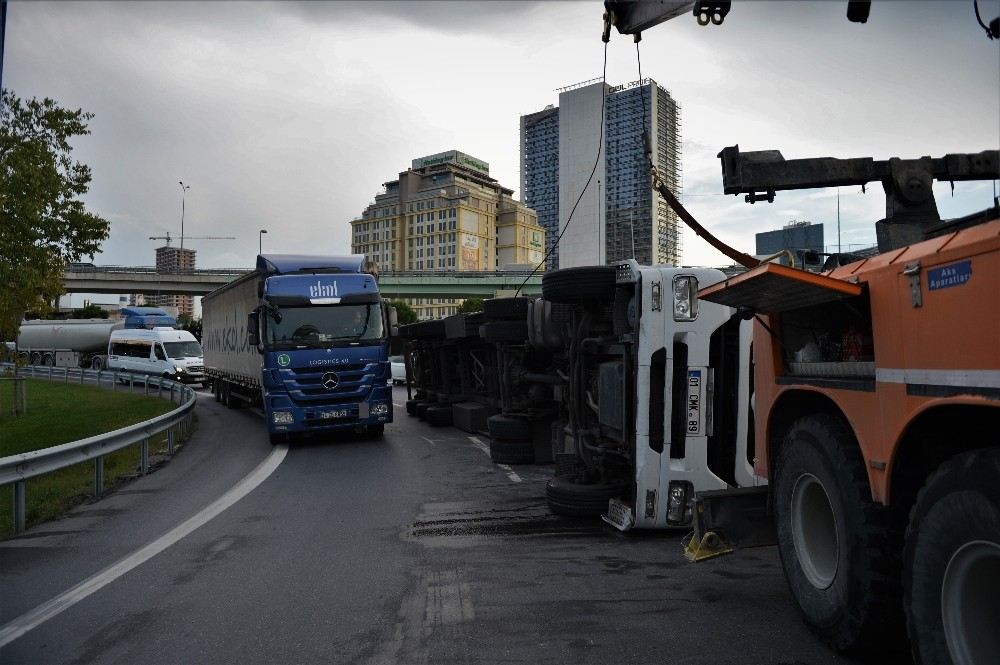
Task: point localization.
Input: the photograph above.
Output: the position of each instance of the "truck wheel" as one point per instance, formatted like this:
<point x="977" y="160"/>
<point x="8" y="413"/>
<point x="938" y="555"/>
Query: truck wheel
<point x="509" y="428"/>
<point x="411" y="406"/>
<point x="439" y="416"/>
<point x="375" y="431"/>
<point x="833" y="540"/>
<point x="35" y="358"/>
<point x="580" y="285"/>
<point x="951" y="563"/>
<point x="48" y="360"/>
<point x="97" y="363"/>
<point x="567" y="497"/>
<point x="512" y="452"/>
<point x="422" y="409"/>
<point x="499" y="309"/>
<point x="504" y="331"/>
<point x="277" y="438"/>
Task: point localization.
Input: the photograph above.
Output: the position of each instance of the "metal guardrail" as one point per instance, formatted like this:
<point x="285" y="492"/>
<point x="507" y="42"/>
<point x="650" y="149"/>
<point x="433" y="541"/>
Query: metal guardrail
<point x="16" y="469"/>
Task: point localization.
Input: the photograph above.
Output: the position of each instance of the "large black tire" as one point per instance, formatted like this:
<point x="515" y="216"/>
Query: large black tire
<point x="277" y="438"/>
<point x="508" y="428"/>
<point x="512" y="452"/>
<point x="571" y="499"/>
<point x="504" y="331"/>
<point x="951" y="563"/>
<point x="835" y="542"/>
<point x="580" y="286"/>
<point x="411" y="406"/>
<point x="439" y="416"/>
<point x="422" y="409"/>
<point x="375" y="431"/>
<point x="500" y="309"/>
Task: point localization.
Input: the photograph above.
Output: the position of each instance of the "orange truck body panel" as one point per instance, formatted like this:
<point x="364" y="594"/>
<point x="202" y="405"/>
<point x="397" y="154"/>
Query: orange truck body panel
<point x="952" y="338"/>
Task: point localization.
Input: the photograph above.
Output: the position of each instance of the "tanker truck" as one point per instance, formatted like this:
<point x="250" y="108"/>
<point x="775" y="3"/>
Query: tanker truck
<point x="82" y="342"/>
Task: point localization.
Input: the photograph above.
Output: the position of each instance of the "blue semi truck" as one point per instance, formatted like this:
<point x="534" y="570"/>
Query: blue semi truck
<point x="306" y="338"/>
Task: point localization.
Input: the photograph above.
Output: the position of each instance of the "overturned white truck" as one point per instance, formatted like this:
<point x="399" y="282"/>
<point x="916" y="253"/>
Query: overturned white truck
<point x="655" y="391"/>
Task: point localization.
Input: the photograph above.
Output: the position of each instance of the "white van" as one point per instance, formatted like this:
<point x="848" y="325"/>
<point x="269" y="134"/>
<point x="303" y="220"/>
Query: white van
<point x="174" y="354"/>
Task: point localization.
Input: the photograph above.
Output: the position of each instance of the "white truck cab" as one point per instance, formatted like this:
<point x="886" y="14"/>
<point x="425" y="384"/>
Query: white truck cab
<point x="166" y="352"/>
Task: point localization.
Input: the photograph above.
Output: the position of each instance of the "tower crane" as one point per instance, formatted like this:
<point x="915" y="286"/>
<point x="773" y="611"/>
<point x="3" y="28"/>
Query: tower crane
<point x="167" y="238"/>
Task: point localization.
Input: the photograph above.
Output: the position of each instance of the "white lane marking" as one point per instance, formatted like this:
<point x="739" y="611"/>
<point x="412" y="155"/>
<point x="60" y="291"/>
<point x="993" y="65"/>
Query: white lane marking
<point x="430" y="441"/>
<point x="486" y="449"/>
<point x="479" y="444"/>
<point x="397" y="405"/>
<point x="510" y="472"/>
<point x="98" y="581"/>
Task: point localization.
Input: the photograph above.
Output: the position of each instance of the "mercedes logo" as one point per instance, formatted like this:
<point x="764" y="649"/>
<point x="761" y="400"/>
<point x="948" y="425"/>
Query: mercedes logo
<point x="330" y="380"/>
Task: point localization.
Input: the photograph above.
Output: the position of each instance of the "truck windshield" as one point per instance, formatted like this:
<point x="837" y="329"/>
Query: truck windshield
<point x="183" y="349"/>
<point x="304" y="327"/>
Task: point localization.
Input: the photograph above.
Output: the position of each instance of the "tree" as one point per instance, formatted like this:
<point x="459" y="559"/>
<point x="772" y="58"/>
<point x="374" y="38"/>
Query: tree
<point x="89" y="311"/>
<point x="470" y="306"/>
<point x="404" y="313"/>
<point x="190" y="324"/>
<point x="45" y="224"/>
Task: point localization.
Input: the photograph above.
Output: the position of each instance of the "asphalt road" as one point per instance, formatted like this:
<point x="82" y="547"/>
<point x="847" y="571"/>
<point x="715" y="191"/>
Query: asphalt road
<point x="410" y="549"/>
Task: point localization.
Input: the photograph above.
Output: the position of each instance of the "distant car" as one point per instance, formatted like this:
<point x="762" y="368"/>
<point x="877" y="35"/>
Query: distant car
<point x="398" y="369"/>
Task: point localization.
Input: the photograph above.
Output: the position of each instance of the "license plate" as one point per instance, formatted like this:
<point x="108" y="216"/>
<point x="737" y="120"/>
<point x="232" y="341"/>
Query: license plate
<point x="619" y="515"/>
<point x="694" y="406"/>
<point x="341" y="413"/>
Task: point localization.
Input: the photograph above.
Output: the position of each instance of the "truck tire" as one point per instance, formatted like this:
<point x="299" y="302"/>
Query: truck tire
<point x="277" y="438"/>
<point x="834" y="541"/>
<point x="439" y="416"/>
<point x="509" y="428"/>
<point x="512" y="452"/>
<point x="422" y="409"/>
<point x="569" y="498"/>
<point x="951" y="563"/>
<point x="411" y="406"/>
<point x="504" y="331"/>
<point x="500" y="309"/>
<point x="580" y="286"/>
<point x="97" y="363"/>
<point x="375" y="431"/>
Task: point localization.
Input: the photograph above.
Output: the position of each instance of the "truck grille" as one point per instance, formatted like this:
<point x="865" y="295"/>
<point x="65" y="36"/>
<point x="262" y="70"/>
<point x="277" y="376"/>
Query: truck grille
<point x="355" y="381"/>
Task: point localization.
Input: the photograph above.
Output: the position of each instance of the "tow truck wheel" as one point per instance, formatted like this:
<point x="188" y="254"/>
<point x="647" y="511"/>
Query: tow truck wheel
<point x="580" y="285"/>
<point x="951" y="563"/>
<point x="567" y="497"/>
<point x="842" y="572"/>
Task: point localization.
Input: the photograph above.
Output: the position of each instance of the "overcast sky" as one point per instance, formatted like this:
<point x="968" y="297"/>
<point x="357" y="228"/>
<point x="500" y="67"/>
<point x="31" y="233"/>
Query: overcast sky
<point x="289" y="117"/>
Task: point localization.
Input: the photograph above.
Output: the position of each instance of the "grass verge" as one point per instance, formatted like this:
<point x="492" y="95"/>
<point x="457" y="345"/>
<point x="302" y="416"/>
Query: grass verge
<point x="59" y="413"/>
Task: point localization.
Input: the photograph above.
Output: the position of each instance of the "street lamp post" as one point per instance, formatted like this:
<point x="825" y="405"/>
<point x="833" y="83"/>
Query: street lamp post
<point x="184" y="189"/>
<point x="260" y="241"/>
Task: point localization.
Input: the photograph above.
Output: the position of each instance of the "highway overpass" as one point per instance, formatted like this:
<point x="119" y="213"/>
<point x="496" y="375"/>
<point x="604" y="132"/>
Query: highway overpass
<point x="150" y="281"/>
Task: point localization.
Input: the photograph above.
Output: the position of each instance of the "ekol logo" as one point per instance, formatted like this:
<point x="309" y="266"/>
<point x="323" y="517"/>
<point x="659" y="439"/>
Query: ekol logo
<point x="321" y="290"/>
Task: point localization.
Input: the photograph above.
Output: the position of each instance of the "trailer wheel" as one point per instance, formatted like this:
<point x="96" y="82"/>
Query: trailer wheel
<point x="508" y="428"/>
<point x="49" y="360"/>
<point x="97" y="363"/>
<point x="512" y="452"/>
<point x="35" y="358"/>
<point x="504" y="331"/>
<point x="834" y="540"/>
<point x="567" y="497"/>
<point x="439" y="416"/>
<point x="499" y="309"/>
<point x="951" y="563"/>
<point x="580" y="285"/>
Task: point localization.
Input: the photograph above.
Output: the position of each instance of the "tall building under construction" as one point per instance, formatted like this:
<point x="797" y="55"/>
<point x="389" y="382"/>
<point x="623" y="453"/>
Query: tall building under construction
<point x="173" y="259"/>
<point x="619" y="214"/>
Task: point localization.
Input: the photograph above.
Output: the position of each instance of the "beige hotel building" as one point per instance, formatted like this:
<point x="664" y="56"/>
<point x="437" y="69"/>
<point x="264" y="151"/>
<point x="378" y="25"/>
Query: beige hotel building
<point x="445" y="214"/>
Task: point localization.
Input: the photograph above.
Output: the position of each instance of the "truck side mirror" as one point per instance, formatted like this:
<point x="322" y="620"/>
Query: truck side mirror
<point x="253" y="327"/>
<point x="393" y="320"/>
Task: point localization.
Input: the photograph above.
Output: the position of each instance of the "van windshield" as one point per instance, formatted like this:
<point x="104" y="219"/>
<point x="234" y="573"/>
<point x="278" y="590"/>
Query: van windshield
<point x="183" y="349"/>
<point x="311" y="327"/>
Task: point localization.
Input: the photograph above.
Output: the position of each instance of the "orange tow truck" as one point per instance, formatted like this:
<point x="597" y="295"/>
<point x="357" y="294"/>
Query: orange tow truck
<point x="877" y="411"/>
